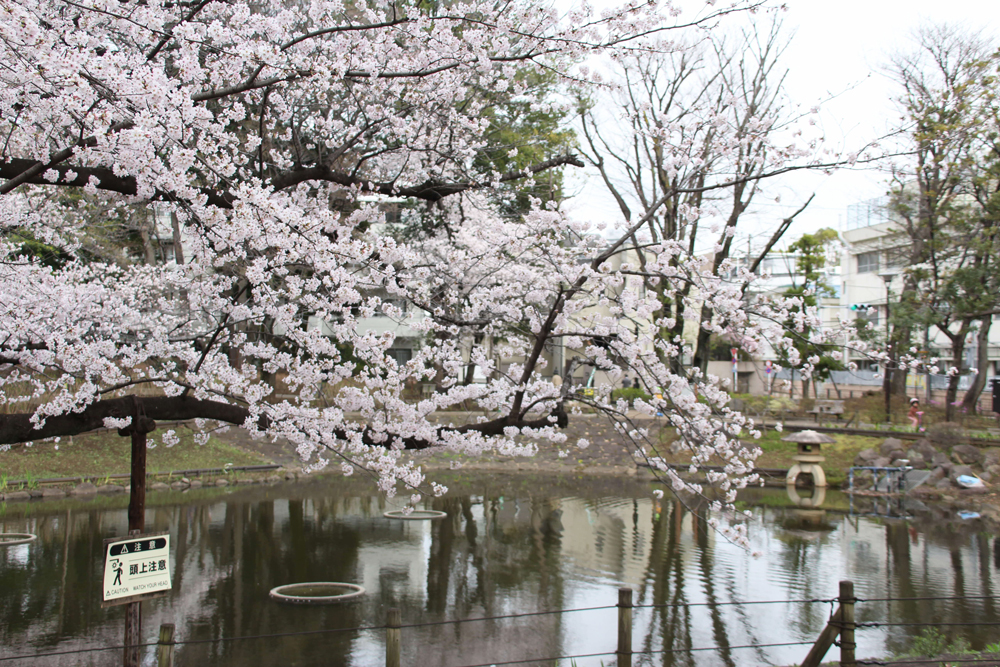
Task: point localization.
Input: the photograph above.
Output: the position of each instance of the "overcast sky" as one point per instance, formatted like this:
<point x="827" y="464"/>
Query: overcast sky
<point x="839" y="48"/>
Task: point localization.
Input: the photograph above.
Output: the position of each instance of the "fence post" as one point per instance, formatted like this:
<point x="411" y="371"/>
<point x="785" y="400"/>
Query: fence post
<point x="847" y="644"/>
<point x="165" y="647"/>
<point x="393" y="638"/>
<point x="624" y="627"/>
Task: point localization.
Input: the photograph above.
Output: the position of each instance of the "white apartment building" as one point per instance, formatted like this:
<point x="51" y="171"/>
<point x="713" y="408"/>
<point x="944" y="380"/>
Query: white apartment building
<point x="871" y="268"/>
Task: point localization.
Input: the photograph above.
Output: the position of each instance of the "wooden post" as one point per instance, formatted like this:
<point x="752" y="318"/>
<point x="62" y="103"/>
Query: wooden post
<point x="824" y="641"/>
<point x="140" y="426"/>
<point x="165" y="647"/>
<point x="137" y="479"/>
<point x="847" y="644"/>
<point x="624" y="627"/>
<point x="393" y="638"/>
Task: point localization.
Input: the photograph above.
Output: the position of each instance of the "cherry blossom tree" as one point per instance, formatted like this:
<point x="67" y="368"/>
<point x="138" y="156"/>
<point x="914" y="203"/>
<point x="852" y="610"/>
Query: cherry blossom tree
<point x="267" y="131"/>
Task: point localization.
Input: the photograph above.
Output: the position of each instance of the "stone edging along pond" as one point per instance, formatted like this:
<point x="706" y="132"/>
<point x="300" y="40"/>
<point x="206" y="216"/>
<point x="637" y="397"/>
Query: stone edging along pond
<point x="61" y="487"/>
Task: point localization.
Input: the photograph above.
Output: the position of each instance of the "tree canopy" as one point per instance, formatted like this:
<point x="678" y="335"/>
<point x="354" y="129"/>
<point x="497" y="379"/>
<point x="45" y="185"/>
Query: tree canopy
<point x="270" y="134"/>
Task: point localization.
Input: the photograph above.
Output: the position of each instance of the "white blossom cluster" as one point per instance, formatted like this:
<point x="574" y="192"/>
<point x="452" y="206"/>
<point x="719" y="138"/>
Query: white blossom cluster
<point x="267" y="131"/>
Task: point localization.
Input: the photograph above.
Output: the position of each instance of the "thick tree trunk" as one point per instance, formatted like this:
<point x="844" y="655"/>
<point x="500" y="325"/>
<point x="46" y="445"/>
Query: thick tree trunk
<point x="957" y="351"/>
<point x="971" y="400"/>
<point x="148" y="251"/>
<point x="175" y="224"/>
<point x="703" y="345"/>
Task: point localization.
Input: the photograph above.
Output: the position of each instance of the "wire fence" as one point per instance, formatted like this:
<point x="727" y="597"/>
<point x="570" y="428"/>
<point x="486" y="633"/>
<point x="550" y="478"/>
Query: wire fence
<point x="840" y="623"/>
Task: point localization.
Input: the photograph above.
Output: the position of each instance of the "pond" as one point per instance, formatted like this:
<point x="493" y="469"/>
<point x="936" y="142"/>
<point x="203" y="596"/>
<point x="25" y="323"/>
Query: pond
<point x="506" y="548"/>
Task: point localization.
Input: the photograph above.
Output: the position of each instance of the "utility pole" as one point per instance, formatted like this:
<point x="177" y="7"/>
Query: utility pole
<point x="887" y="277"/>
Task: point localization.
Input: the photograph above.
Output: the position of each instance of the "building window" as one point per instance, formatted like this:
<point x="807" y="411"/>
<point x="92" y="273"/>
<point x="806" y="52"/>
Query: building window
<point x="868" y="262"/>
<point x="867" y="365"/>
<point x="399" y="354"/>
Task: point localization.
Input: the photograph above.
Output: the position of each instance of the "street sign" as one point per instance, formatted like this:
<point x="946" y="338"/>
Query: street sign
<point x="136" y="568"/>
<point x="768" y="366"/>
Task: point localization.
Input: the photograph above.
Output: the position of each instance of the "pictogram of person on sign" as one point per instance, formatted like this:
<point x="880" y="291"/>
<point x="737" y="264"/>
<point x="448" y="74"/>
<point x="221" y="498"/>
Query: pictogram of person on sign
<point x="116" y="567"/>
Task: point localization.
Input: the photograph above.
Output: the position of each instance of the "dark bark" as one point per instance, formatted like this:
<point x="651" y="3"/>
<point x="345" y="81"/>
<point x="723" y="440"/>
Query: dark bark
<point x="971" y="400"/>
<point x="957" y="352"/>
<point x="24" y="171"/>
<point x="17" y="428"/>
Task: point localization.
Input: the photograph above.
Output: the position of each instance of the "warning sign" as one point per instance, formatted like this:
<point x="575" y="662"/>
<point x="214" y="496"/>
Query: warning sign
<point x="136" y="568"/>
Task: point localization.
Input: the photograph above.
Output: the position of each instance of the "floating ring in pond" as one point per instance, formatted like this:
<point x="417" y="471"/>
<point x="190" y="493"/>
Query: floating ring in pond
<point x="415" y="515"/>
<point x="10" y="539"/>
<point x="317" y="592"/>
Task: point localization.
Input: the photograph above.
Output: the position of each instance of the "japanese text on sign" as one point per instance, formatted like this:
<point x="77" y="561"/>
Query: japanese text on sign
<point x="136" y="565"/>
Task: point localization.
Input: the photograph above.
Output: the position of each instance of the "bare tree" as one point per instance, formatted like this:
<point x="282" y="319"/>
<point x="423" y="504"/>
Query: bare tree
<point x="700" y="132"/>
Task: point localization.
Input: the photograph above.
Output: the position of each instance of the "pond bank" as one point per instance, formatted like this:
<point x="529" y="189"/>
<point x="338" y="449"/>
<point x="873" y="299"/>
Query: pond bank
<point x="593" y="449"/>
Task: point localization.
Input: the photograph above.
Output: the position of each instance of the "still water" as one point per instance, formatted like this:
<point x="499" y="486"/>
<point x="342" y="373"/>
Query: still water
<point x="507" y="547"/>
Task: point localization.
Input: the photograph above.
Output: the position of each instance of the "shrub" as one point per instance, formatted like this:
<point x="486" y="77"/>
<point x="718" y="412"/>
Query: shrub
<point x="630" y="394"/>
<point x="930" y="643"/>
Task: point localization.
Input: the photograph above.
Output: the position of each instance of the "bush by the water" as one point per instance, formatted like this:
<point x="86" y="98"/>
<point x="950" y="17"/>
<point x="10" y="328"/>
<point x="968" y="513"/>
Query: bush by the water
<point x="932" y="643"/>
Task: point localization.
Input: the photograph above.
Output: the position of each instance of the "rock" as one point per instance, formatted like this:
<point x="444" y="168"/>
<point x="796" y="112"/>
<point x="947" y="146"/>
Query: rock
<point x="890" y="445"/>
<point x="84" y="489"/>
<point x="936" y="474"/>
<point x="53" y="493"/>
<point x="222" y="482"/>
<point x="896" y="455"/>
<point x="993" y="470"/>
<point x="916" y="459"/>
<point x="944" y="483"/>
<point x="985" y="476"/>
<point x="926" y="448"/>
<point x="289" y="475"/>
<point x="945" y="434"/>
<point x="272" y="479"/>
<point x="35" y="493"/>
<point x="158" y="486"/>
<point x="914" y="506"/>
<point x="941" y="460"/>
<point x="110" y="488"/>
<point x="957" y="471"/>
<point x="865" y="457"/>
<point x="968" y="454"/>
<point x="185" y="480"/>
<point x="17" y="495"/>
<point x="196" y="484"/>
<point x="991" y="457"/>
<point x="178" y="485"/>
<point x="881" y="462"/>
<point x="899" y="463"/>
<point x="974" y="491"/>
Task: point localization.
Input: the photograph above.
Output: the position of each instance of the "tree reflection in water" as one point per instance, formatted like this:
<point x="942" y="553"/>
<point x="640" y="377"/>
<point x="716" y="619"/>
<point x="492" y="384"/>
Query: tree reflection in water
<point x="500" y="551"/>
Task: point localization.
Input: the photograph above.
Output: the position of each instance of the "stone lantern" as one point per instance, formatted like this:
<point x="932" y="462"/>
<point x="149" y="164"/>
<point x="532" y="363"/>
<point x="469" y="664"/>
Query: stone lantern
<point x="808" y="459"/>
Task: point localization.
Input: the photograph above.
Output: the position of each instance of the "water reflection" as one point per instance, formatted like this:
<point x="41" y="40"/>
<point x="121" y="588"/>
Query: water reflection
<point x="501" y="551"/>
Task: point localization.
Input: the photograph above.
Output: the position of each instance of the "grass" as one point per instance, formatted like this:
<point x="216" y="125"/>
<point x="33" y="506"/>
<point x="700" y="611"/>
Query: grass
<point x="777" y="453"/>
<point x="106" y="453"/>
<point x="839" y="455"/>
<point x="932" y="643"/>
